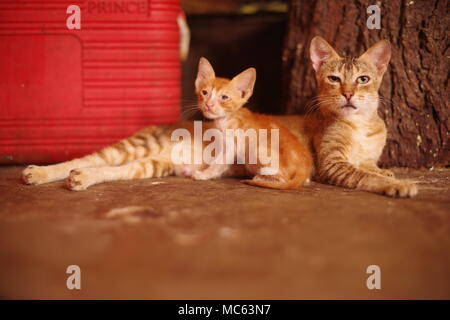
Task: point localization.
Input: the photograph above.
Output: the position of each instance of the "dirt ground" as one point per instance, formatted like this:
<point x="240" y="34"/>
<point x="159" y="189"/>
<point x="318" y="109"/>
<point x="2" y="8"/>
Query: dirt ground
<point x="174" y="238"/>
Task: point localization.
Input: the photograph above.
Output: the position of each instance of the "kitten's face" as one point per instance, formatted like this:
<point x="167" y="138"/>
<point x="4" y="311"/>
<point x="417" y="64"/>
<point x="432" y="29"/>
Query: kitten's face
<point x="220" y="97"/>
<point x="349" y="85"/>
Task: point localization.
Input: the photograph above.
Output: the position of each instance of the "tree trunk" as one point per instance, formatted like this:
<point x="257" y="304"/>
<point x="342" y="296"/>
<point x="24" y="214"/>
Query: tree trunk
<point x="416" y="82"/>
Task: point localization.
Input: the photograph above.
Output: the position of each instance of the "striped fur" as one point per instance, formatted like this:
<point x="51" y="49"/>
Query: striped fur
<point x="145" y="154"/>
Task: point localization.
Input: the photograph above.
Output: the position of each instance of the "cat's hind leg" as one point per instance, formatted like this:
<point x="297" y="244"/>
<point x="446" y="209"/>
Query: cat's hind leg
<point x="148" y="142"/>
<point x="82" y="178"/>
<point x="35" y="175"/>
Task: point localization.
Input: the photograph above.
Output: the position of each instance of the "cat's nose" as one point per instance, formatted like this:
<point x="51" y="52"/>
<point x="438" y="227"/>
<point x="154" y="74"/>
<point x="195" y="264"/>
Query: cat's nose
<point x="209" y="106"/>
<point x="348" y="94"/>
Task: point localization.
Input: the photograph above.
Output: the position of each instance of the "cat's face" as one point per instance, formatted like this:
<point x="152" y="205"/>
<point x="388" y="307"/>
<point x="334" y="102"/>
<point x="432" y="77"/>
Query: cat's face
<point x="349" y="86"/>
<point x="220" y="97"/>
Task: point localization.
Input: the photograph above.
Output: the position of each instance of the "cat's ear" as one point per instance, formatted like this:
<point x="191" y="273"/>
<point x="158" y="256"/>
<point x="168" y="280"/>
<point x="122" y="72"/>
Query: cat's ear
<point x="320" y="51"/>
<point x="379" y="55"/>
<point x="205" y="73"/>
<point x="244" y="82"/>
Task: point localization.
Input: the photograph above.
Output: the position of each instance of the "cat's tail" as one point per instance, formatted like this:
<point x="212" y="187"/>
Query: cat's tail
<point x="300" y="178"/>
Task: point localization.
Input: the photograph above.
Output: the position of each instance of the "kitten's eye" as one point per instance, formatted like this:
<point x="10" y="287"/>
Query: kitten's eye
<point x="204" y="92"/>
<point x="334" y="79"/>
<point x="224" y="97"/>
<point x="363" y="79"/>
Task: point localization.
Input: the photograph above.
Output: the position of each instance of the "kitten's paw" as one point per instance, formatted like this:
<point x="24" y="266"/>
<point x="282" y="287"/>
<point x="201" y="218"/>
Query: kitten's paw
<point x="78" y="180"/>
<point x="401" y="189"/>
<point x="200" y="175"/>
<point x="34" y="175"/>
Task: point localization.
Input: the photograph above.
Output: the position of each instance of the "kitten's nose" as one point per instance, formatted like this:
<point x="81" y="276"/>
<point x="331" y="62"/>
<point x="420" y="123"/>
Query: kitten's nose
<point x="348" y="94"/>
<point x="209" y="106"/>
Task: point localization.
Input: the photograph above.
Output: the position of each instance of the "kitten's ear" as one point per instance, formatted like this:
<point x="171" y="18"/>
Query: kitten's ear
<point x="245" y="81"/>
<point x="320" y="51"/>
<point x="205" y="73"/>
<point x="379" y="55"/>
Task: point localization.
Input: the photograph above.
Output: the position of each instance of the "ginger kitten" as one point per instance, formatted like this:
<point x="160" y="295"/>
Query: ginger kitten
<point x="347" y="134"/>
<point x="222" y="101"/>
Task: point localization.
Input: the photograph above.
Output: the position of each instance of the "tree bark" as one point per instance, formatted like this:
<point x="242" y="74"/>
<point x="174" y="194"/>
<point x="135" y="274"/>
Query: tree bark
<point x="416" y="83"/>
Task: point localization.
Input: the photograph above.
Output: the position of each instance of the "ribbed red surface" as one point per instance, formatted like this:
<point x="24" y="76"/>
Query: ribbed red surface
<point x="65" y="93"/>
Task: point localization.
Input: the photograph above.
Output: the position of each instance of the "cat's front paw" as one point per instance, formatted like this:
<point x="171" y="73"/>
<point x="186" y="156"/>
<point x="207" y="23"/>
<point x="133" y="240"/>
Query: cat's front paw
<point x="78" y="180"/>
<point x="401" y="189"/>
<point x="200" y="175"/>
<point x="34" y="175"/>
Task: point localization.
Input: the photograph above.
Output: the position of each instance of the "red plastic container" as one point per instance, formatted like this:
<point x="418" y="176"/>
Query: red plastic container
<point x="65" y="93"/>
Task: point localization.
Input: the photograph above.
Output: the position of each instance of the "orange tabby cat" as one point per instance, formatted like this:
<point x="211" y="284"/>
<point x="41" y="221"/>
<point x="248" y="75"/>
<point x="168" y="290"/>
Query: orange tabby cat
<point x="222" y="100"/>
<point x="346" y="134"/>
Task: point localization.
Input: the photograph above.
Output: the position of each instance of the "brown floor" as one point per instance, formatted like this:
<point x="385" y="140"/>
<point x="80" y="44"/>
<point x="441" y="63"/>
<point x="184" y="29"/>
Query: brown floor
<point x="181" y="239"/>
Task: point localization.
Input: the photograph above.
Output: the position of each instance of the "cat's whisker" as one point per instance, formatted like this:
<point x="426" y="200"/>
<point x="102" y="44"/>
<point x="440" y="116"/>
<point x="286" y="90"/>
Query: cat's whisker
<point x="191" y="111"/>
<point x="190" y="106"/>
<point x="386" y="101"/>
<point x="313" y="105"/>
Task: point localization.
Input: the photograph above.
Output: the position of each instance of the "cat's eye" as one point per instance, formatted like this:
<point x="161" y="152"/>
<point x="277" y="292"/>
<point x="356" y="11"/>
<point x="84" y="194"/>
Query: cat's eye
<point x="334" y="79"/>
<point x="224" y="97"/>
<point x="363" y="79"/>
<point x="204" y="92"/>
